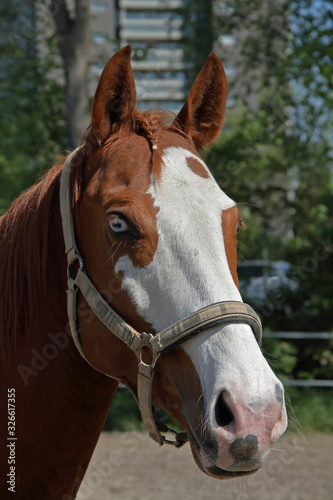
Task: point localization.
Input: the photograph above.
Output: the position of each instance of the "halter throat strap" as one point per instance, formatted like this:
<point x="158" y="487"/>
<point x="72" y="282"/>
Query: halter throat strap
<point x="221" y="313"/>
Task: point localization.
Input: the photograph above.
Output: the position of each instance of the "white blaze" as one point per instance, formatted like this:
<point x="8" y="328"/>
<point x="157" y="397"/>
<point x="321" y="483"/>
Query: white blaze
<point x="190" y="270"/>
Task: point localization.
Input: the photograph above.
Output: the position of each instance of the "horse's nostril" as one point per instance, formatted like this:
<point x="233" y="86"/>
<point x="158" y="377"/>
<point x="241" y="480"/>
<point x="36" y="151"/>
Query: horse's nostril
<point x="223" y="414"/>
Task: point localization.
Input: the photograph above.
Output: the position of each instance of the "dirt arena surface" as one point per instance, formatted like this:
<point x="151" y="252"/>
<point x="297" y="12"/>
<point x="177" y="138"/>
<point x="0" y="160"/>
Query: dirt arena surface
<point x="130" y="466"/>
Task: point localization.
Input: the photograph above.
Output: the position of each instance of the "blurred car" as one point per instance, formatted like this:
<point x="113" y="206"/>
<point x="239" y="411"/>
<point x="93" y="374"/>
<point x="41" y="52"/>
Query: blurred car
<point x="258" y="279"/>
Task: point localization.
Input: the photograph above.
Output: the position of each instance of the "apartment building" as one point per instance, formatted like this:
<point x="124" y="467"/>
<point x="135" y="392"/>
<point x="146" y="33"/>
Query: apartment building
<point x="154" y="30"/>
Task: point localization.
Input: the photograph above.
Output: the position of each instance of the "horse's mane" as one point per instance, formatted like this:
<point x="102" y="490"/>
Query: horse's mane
<point x="27" y="228"/>
<point x="24" y="237"/>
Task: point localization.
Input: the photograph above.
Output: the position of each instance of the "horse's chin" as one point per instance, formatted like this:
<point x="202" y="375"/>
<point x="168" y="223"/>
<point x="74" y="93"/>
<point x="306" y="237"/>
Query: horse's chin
<point x="208" y="467"/>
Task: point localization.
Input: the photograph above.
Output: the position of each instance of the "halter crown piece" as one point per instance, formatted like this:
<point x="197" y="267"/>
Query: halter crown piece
<point x="174" y="335"/>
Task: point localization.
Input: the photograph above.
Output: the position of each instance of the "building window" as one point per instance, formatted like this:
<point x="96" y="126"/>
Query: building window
<point x="145" y="28"/>
<point x="98" y="7"/>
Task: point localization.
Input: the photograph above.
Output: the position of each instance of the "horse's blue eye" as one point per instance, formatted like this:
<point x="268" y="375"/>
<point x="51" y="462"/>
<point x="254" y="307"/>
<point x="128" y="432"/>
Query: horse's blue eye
<point x="118" y="225"/>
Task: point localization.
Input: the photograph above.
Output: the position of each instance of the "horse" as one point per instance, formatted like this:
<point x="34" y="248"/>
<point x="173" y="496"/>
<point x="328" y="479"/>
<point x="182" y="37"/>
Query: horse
<point x="119" y="267"/>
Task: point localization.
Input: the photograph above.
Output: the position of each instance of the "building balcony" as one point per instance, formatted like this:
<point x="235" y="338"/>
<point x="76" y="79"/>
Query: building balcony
<point x="151" y="85"/>
<point x="160" y="95"/>
<point x="160" y="65"/>
<point x="166" y="34"/>
<point x="154" y="23"/>
<point x="156" y="54"/>
<point x="151" y="4"/>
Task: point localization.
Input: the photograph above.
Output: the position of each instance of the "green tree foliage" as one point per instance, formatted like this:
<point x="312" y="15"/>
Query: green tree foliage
<point x="31" y="105"/>
<point x="277" y="161"/>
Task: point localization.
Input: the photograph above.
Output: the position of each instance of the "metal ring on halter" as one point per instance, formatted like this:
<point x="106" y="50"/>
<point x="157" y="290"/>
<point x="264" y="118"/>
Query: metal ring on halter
<point x="145" y="342"/>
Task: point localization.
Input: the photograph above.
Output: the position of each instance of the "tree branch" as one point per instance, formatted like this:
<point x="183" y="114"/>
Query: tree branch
<point x="61" y="17"/>
<point x="82" y="9"/>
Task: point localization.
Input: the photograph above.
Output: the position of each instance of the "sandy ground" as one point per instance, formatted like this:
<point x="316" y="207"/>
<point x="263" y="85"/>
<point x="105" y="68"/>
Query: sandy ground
<point x="130" y="466"/>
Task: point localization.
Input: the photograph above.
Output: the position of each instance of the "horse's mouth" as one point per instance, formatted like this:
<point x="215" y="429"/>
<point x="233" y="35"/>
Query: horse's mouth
<point x="207" y="465"/>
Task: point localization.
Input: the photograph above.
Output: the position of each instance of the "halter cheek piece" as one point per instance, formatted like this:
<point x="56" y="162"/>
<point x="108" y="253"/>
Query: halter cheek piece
<point x="216" y="314"/>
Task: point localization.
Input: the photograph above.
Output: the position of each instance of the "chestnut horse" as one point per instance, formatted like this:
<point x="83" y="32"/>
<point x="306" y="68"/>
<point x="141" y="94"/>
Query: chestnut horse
<point x="157" y="238"/>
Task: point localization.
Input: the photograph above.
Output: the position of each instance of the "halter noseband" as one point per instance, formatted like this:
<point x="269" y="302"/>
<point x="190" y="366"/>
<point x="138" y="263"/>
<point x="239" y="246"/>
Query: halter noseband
<point x="171" y="337"/>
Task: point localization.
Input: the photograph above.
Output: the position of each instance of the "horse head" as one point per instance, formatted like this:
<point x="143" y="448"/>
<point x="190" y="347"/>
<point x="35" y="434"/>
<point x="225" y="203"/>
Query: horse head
<point x="158" y="239"/>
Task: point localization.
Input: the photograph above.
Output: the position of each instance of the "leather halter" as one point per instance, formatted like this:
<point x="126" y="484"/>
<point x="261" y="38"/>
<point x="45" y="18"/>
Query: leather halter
<point x="158" y="344"/>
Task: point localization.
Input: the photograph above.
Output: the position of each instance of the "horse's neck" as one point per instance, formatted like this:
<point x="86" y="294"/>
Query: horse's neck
<point x="62" y="409"/>
<point x="61" y="402"/>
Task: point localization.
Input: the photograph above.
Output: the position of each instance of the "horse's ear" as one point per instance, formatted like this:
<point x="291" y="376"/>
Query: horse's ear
<point x="115" y="98"/>
<point x="202" y="115"/>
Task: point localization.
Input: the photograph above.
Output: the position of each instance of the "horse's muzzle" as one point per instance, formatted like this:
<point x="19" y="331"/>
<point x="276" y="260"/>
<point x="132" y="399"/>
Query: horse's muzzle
<point x="238" y="439"/>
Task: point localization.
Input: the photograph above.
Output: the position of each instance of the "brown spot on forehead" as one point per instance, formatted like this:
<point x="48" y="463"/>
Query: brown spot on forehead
<point x="197" y="167"/>
<point x="231" y="217"/>
<point x="172" y="139"/>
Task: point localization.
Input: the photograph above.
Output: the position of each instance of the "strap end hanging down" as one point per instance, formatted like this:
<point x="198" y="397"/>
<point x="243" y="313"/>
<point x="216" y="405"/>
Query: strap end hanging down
<point x="155" y="425"/>
<point x="179" y="438"/>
